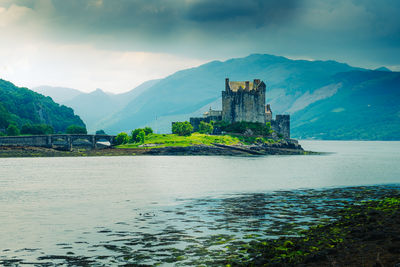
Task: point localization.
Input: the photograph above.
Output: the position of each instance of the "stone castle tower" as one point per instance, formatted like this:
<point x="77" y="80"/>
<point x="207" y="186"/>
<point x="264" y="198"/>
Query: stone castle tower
<point x="244" y="101"/>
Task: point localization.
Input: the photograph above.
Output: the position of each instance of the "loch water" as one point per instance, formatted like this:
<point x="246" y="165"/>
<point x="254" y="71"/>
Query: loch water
<point x="178" y="210"/>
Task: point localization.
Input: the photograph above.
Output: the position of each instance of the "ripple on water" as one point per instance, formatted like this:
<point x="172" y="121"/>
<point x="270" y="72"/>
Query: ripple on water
<point x="203" y="231"/>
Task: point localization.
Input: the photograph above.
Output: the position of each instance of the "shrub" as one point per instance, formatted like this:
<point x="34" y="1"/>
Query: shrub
<point x="182" y="128"/>
<point x="121" y="138"/>
<point x="205" y="128"/>
<point x="100" y="132"/>
<point x="12" y="130"/>
<point x="75" y="129"/>
<point x="36" y="129"/>
<point x="242" y="127"/>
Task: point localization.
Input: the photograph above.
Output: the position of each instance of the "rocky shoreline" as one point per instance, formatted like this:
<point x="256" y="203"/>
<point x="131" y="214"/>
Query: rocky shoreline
<point x="362" y="234"/>
<point x="286" y="147"/>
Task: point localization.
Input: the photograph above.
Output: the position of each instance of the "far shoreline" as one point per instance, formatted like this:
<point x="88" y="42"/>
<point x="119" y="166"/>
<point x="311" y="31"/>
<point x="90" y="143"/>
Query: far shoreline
<point x="195" y="150"/>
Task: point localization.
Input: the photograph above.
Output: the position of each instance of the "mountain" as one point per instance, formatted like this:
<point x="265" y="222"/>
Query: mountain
<point x="58" y="94"/>
<point x="366" y="107"/>
<point x="383" y="69"/>
<point x="191" y="91"/>
<point x="324" y="97"/>
<point x="327" y="99"/>
<point x="92" y="107"/>
<point x="97" y="106"/>
<point x="22" y="106"/>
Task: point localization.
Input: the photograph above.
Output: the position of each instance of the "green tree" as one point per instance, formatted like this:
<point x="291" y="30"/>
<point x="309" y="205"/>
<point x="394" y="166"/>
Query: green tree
<point x="182" y="128"/>
<point x="121" y="138"/>
<point x="37" y="129"/>
<point x="141" y="136"/>
<point x="4" y="117"/>
<point x="12" y="130"/>
<point x="76" y="129"/>
<point x="100" y="132"/>
<point x="205" y="128"/>
<point x="135" y="135"/>
<point x="148" y="130"/>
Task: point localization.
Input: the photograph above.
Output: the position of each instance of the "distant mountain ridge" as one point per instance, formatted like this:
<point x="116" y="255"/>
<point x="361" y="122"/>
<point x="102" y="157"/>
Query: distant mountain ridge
<point x="94" y="107"/>
<point x="58" y="94"/>
<point x="327" y="99"/>
<point x="297" y="87"/>
<point x="192" y="91"/>
<point x="365" y="108"/>
<point x="21" y="106"/>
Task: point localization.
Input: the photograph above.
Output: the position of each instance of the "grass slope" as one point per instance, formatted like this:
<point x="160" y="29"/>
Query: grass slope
<point x="165" y="140"/>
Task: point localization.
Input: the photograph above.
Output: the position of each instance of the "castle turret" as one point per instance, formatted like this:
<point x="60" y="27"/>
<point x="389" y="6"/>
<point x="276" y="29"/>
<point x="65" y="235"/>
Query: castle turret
<point x="227" y="84"/>
<point x="268" y="113"/>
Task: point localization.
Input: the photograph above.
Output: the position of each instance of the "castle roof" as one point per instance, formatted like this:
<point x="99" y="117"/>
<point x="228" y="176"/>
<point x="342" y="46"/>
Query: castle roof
<point x="236" y="85"/>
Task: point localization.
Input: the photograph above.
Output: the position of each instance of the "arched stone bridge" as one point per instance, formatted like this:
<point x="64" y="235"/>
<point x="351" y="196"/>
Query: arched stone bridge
<point x="66" y="140"/>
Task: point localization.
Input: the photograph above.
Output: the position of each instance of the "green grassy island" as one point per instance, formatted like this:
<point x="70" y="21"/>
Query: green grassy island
<point x="239" y="142"/>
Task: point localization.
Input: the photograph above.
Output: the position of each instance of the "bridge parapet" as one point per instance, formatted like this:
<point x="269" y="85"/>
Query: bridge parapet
<point x="50" y="140"/>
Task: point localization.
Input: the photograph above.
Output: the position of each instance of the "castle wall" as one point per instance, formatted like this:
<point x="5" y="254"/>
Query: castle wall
<point x="268" y="117"/>
<point x="281" y="125"/>
<point x="195" y="121"/>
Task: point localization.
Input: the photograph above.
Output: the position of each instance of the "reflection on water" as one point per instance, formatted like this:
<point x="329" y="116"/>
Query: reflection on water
<point x="178" y="210"/>
<point x="202" y="231"/>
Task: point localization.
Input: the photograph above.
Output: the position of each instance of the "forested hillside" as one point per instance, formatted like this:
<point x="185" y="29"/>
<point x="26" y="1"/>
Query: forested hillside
<point x="21" y="106"/>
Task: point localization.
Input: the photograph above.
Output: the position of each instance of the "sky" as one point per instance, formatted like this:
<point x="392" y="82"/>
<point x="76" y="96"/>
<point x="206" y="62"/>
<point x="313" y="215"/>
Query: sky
<point x="116" y="45"/>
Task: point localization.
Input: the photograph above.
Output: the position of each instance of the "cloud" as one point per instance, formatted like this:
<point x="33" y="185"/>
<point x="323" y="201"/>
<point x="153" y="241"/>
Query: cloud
<point x="85" y="67"/>
<point x="229" y="26"/>
<point x="361" y="32"/>
<point x="154" y="24"/>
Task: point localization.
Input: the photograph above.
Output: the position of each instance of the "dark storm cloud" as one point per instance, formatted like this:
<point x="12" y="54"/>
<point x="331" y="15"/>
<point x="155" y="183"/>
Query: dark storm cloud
<point x="156" y="19"/>
<point x="249" y="12"/>
<point x="320" y="29"/>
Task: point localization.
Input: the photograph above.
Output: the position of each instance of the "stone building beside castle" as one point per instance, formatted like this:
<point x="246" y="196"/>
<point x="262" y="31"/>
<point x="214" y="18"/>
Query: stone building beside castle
<point x="245" y="101"/>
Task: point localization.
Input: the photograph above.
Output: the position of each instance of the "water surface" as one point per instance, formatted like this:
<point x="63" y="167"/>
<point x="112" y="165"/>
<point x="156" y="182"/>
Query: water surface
<point x="106" y="210"/>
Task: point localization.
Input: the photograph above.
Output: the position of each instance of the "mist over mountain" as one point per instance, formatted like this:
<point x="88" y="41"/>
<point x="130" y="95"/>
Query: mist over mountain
<point x="58" y="94"/>
<point x="327" y="99"/>
<point x="94" y="107"/>
<point x="298" y="87"/>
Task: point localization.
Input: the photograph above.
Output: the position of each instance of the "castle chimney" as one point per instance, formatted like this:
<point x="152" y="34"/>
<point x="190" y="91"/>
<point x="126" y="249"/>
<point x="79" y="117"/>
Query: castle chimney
<point x="256" y="81"/>
<point x="247" y="85"/>
<point x="226" y="84"/>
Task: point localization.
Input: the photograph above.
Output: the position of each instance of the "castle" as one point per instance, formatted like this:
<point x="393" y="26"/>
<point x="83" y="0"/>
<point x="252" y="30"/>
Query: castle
<point x="245" y="101"/>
